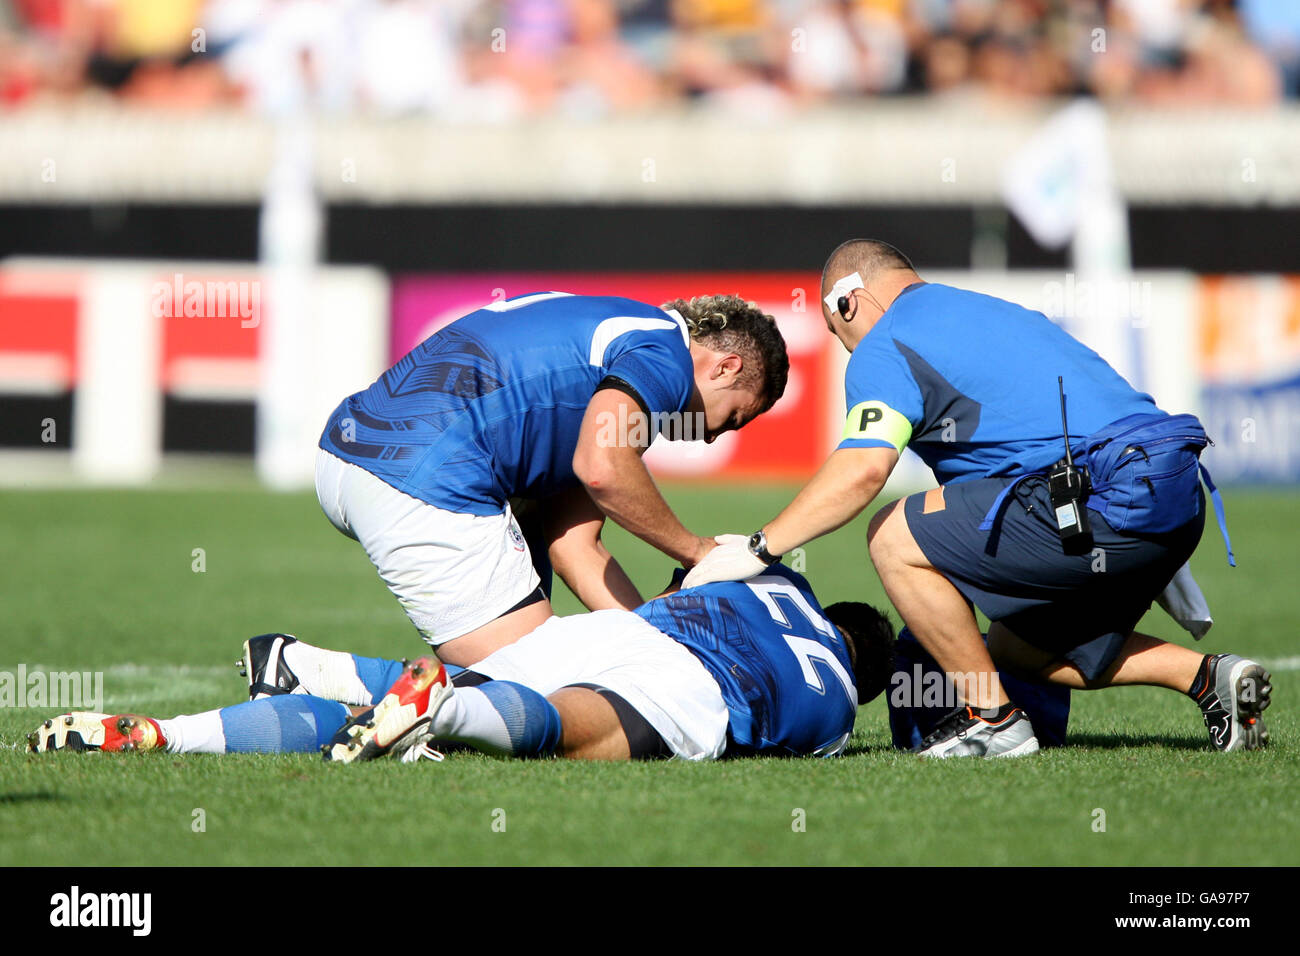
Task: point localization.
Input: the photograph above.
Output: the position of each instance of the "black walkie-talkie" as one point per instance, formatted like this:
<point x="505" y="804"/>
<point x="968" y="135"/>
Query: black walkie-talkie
<point x="1068" y="487"/>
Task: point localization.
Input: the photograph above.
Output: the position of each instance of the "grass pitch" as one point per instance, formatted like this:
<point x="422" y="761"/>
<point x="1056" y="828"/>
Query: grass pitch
<point x="108" y="581"/>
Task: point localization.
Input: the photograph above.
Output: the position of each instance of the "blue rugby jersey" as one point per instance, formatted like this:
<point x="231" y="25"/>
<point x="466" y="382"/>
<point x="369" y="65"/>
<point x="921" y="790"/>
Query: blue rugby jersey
<point x="490" y="407"/>
<point x="969" y="382"/>
<point x="783" y="669"/>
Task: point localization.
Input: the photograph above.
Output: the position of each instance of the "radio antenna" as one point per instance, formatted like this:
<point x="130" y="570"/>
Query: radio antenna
<point x="1065" y="429"/>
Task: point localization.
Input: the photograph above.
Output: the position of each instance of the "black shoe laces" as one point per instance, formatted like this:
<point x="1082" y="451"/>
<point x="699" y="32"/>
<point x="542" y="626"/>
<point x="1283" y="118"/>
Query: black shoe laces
<point x="951" y="725"/>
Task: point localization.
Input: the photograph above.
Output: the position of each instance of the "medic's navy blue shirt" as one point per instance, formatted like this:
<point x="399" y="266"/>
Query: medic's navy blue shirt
<point x="969" y="382"/>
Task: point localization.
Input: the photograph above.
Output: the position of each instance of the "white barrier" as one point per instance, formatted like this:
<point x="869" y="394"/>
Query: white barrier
<point x="196" y="330"/>
<point x="927" y="150"/>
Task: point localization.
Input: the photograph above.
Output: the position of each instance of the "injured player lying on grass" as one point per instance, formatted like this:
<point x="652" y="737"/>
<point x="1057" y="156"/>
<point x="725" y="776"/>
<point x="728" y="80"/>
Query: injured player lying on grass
<point x="619" y="685"/>
<point x="735" y="667"/>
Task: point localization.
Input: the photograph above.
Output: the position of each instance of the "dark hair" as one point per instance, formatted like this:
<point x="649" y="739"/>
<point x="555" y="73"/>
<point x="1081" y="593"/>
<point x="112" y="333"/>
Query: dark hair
<point x="872" y="639"/>
<point x="729" y="323"/>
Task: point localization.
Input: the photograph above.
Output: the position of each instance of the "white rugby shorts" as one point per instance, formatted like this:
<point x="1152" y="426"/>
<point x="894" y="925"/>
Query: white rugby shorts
<point x="451" y="572"/>
<point x="618" y="650"/>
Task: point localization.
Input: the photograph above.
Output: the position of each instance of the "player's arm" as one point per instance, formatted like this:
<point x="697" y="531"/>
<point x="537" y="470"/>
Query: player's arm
<point x="608" y="463"/>
<point x="845" y="484"/>
<point x="579" y="557"/>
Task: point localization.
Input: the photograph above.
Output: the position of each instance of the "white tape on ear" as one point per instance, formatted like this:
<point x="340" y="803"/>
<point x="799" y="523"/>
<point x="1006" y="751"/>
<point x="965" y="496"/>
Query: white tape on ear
<point x="844" y="286"/>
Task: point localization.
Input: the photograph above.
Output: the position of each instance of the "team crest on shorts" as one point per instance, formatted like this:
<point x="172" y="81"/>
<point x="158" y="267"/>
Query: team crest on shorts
<point x="516" y="536"/>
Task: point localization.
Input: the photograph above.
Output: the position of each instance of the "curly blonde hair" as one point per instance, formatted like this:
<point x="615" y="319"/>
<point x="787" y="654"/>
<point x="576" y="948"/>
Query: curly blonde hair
<point x="730" y="323"/>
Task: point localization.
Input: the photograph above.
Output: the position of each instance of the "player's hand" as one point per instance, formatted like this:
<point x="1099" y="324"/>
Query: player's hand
<point x="731" y="560"/>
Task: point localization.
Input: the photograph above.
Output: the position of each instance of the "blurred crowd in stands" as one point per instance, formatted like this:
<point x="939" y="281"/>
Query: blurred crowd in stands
<point x="498" y="60"/>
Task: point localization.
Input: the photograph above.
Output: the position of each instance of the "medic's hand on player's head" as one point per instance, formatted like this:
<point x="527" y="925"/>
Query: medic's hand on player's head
<point x="731" y="560"/>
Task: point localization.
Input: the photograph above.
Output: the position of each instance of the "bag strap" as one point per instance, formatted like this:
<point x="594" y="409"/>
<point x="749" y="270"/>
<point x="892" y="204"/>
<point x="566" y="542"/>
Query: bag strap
<point x="1217" y="500"/>
<point x="1000" y="502"/>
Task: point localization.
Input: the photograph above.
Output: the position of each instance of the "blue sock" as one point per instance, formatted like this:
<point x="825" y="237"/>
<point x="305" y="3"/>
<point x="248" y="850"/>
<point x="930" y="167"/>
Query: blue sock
<point x="530" y="722"/>
<point x="378" y="674"/>
<point x="288" y="723"/>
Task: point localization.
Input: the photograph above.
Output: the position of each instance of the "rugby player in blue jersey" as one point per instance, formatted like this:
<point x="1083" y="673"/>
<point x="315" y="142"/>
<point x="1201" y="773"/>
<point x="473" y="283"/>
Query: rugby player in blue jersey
<point x="731" y="668"/>
<point x="970" y="383"/>
<point x="548" y="400"/>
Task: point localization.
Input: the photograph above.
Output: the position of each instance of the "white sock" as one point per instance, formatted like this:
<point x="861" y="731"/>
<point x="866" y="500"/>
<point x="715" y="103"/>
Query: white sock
<point x="331" y="675"/>
<point x="194" y="733"/>
<point x="468" y="716"/>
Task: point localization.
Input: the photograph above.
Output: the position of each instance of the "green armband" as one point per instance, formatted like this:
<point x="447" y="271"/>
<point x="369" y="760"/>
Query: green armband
<point x="876" y="420"/>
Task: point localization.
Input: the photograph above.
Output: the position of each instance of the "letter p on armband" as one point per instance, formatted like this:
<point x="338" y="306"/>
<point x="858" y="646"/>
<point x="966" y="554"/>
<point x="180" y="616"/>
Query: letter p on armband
<point x="877" y="421"/>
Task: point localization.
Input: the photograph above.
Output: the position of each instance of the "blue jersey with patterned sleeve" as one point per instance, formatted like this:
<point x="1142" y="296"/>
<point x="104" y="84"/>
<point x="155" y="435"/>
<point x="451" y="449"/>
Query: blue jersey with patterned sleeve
<point x="490" y="407"/>
<point x="783" y="669"/>
<point x="969" y="382"/>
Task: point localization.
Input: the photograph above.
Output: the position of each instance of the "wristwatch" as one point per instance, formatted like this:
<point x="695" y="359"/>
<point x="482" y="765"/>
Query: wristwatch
<point x="758" y="548"/>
